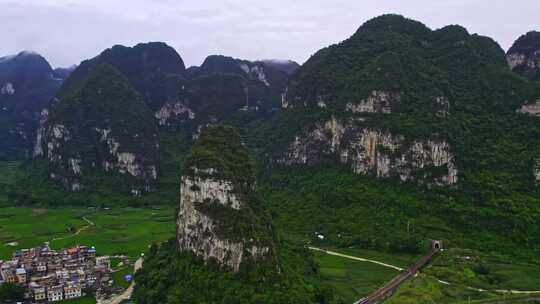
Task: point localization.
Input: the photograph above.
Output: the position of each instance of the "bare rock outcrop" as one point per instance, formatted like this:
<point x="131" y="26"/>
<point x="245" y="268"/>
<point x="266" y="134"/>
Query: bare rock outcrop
<point x="215" y="218"/>
<point x="371" y="151"/>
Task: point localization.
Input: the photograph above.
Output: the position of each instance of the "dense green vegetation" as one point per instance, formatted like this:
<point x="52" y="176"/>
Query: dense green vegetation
<point x="220" y="154"/>
<point x="172" y="277"/>
<point x="221" y="148"/>
<point x="11" y="293"/>
<point x="283" y="275"/>
<point x="492" y="216"/>
<point x="83" y="300"/>
<point x="119" y="277"/>
<point x="425" y="289"/>
<point x="8" y="172"/>
<point x="32" y="186"/>
<point x="486" y="271"/>
<point x="351" y="210"/>
<point x="98" y="128"/>
<point x="496" y="204"/>
<point x="153" y="69"/>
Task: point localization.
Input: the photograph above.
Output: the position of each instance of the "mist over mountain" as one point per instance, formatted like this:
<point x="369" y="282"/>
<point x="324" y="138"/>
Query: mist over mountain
<point x="398" y="135"/>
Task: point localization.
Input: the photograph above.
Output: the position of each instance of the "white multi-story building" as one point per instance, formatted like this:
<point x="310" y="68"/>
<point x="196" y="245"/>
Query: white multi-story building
<point x="38" y="292"/>
<point x="55" y="294"/>
<point x="72" y="291"/>
<point x="103" y="261"/>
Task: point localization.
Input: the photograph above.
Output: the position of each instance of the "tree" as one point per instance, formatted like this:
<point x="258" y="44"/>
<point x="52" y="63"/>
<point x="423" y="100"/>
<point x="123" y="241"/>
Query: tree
<point x="11" y="293"/>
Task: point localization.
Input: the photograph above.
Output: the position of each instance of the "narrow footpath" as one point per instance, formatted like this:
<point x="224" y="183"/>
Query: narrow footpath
<point x="90" y="224"/>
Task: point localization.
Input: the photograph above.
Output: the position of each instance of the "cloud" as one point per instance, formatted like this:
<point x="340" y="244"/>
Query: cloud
<point x="68" y="31"/>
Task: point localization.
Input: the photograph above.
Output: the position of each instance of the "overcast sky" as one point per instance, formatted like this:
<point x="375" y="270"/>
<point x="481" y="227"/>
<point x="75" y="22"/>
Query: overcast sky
<point x="68" y="31"/>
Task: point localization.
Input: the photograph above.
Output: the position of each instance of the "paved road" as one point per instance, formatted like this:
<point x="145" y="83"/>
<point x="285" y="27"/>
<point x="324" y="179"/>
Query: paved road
<point x="126" y="295"/>
<point x="512" y="291"/>
<point x="356" y="258"/>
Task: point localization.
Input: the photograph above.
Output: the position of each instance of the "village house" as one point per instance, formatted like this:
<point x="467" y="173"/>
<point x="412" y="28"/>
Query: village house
<point x="38" y="292"/>
<point x="104" y="262"/>
<point x="7" y="271"/>
<point x="72" y="292"/>
<point x="21" y="275"/>
<point x="55" y="293"/>
<point x="52" y="276"/>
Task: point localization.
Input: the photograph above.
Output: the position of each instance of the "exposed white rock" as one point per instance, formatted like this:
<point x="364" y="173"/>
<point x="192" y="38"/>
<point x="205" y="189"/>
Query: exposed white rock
<point x="255" y="71"/>
<point x="536" y="171"/>
<point x="284" y="102"/>
<point x="518" y="59"/>
<point x="376" y="102"/>
<point x="370" y="151"/>
<point x="59" y="135"/>
<point x="74" y="165"/>
<point x="214" y="189"/>
<point x="126" y="164"/>
<point x="245" y="68"/>
<point x="108" y="166"/>
<point x="38" y="146"/>
<point x="76" y="187"/>
<point x="55" y="136"/>
<point x="259" y="73"/>
<point x="197" y="231"/>
<point x="532" y="109"/>
<point x="60" y="132"/>
<point x="104" y="133"/>
<point x="7" y="89"/>
<point x="320" y="102"/>
<point x="172" y="110"/>
<point x="443" y="105"/>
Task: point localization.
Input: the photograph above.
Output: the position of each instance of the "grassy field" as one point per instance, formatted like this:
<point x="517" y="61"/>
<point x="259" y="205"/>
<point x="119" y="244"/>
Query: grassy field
<point x="118" y="277"/>
<point x="426" y="289"/>
<point x="127" y="231"/>
<point x="482" y="270"/>
<point x="466" y="270"/>
<point x="352" y="279"/>
<point x="84" y="300"/>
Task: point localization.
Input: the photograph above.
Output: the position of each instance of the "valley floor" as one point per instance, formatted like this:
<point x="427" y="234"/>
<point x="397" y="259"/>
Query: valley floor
<point x="126" y="231"/>
<point x="352" y="272"/>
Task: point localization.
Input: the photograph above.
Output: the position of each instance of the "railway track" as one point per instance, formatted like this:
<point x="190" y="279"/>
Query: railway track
<point x="387" y="290"/>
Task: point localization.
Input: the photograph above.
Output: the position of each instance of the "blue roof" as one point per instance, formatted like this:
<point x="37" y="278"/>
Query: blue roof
<point x="21" y="271"/>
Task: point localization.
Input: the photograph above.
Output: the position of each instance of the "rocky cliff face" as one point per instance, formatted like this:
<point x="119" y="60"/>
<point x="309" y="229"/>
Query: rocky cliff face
<point x="524" y="56"/>
<point x="371" y="151"/>
<point x="532" y="109"/>
<point x="198" y="231"/>
<point x="215" y="218"/>
<point x="376" y="102"/>
<point x="27" y="84"/>
<point x="262" y="82"/>
<point x="90" y="133"/>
